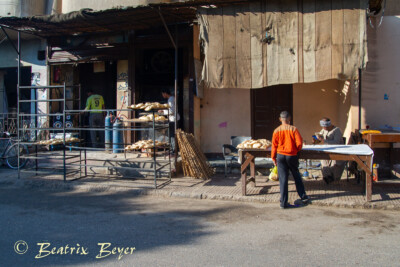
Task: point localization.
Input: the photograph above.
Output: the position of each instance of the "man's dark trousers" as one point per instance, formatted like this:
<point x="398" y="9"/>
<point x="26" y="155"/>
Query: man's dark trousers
<point x="286" y="163"/>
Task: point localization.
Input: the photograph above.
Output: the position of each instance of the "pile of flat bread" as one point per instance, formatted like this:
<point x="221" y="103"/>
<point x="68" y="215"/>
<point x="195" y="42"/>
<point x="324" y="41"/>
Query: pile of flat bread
<point x="150" y="117"/>
<point x="260" y="143"/>
<point x="145" y="144"/>
<point x="58" y="141"/>
<point x="149" y="106"/>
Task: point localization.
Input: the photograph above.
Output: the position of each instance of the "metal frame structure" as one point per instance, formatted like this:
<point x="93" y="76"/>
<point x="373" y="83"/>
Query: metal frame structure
<point x="78" y="154"/>
<point x="32" y="142"/>
<point x="174" y="43"/>
<point x="158" y="164"/>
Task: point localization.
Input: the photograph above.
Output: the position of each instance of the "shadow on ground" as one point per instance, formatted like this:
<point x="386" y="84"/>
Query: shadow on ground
<point x="87" y="218"/>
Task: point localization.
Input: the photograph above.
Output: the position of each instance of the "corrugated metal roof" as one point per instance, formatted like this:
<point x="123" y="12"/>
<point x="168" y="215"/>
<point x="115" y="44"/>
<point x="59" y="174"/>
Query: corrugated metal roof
<point x="87" y="21"/>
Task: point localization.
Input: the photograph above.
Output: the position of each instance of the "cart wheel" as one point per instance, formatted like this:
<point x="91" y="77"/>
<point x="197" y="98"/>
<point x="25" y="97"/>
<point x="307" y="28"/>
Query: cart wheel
<point x="12" y="156"/>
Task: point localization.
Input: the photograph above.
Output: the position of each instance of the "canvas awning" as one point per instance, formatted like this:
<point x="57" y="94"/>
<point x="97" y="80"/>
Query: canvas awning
<point x="265" y="43"/>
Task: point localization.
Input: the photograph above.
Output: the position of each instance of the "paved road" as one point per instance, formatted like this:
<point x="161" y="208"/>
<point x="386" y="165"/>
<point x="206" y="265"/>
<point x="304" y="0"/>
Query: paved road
<point x="187" y="232"/>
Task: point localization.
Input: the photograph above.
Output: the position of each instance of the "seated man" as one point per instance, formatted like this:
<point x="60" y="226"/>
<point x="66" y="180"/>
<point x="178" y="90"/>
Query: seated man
<point x="331" y="135"/>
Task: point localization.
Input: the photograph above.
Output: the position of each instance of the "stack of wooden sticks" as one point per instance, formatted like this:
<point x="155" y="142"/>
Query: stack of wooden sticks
<point x="194" y="162"/>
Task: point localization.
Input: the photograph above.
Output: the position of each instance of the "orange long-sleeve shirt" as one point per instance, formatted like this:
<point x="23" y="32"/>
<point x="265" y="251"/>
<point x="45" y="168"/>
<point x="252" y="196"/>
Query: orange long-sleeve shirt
<point x="286" y="140"/>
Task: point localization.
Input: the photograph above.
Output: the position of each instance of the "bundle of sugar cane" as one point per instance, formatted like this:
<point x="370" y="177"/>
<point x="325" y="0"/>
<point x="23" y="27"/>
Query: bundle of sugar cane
<point x="194" y="162"/>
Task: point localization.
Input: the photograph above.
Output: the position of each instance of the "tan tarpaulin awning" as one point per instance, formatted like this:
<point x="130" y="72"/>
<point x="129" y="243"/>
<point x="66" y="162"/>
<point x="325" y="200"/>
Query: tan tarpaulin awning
<point x="311" y="41"/>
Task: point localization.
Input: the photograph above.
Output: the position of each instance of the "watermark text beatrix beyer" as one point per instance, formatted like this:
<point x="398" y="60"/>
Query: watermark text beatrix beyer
<point x="46" y="249"/>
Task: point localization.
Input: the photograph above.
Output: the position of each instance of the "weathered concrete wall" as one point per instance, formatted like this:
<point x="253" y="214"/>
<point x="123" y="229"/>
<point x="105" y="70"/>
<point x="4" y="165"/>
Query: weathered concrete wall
<point x="224" y="112"/>
<point x="22" y="8"/>
<point x="73" y="5"/>
<point x="381" y="79"/>
<point x="29" y="50"/>
<point x="312" y="101"/>
<point x="227" y="112"/>
<point x="392" y="8"/>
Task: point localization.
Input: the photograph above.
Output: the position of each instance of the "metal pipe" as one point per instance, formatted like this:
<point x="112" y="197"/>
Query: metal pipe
<point x="166" y="28"/>
<point x="19" y="30"/>
<point x="18" y="87"/>
<point x="359" y="98"/>
<point x="9" y="39"/>
<point x="176" y="95"/>
<point x="44" y="87"/>
<point x="64" y="160"/>
<point x="154" y="152"/>
<point x="42" y="100"/>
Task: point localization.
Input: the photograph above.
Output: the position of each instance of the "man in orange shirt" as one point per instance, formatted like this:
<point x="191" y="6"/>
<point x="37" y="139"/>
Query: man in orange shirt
<point x="286" y="143"/>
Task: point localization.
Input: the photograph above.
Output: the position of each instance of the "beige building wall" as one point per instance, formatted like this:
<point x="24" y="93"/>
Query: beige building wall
<point x="22" y="8"/>
<point x="381" y="79"/>
<point x="227" y="112"/>
<point x="392" y="8"/>
<point x="224" y="112"/>
<point x="312" y="101"/>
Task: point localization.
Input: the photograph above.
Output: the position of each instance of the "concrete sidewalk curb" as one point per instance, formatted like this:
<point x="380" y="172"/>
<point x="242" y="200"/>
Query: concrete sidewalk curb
<point x="99" y="187"/>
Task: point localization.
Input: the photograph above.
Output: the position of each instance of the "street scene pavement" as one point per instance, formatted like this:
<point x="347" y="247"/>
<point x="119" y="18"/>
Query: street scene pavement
<point x="41" y="225"/>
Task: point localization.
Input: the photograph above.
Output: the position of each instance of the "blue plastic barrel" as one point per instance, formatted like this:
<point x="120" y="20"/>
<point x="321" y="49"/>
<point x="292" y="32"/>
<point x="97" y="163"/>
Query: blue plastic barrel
<point x="108" y="132"/>
<point x="118" y="137"/>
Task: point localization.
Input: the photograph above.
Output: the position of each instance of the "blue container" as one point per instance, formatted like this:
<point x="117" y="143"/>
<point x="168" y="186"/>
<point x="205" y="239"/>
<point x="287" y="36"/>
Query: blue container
<point x="118" y="137"/>
<point x="109" y="132"/>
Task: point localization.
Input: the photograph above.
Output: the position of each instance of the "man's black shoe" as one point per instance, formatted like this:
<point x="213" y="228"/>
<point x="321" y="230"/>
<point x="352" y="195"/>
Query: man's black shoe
<point x="306" y="200"/>
<point x="287" y="206"/>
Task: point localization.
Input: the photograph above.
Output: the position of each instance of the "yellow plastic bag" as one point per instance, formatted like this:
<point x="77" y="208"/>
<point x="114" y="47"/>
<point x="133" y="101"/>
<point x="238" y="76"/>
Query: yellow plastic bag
<point x="273" y="174"/>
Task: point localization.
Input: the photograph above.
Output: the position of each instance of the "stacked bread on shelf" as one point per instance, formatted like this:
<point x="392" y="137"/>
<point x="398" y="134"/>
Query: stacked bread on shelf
<point x="260" y="143"/>
<point x="145" y="144"/>
<point x="149" y="106"/>
<point x="150" y="117"/>
<point x="58" y="141"/>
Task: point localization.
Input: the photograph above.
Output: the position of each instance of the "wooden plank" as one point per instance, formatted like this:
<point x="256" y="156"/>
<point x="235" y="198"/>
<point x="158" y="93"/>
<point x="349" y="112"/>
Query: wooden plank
<point x="271" y="18"/>
<point x="243" y="45"/>
<point x="351" y="38"/>
<point x="215" y="49"/>
<point x="300" y="42"/>
<point x="264" y="45"/>
<point x="229" y="48"/>
<point x="309" y="40"/>
<point x="246" y="163"/>
<point x="323" y="40"/>
<point x="382" y="138"/>
<point x="337" y="39"/>
<point x="243" y="180"/>
<point x="368" y="182"/>
<point x="256" y="35"/>
<point x="364" y="5"/>
<point x="196" y="42"/>
<point x="379" y="145"/>
<point x="287" y="40"/>
<point x="305" y="154"/>
<point x="252" y="168"/>
<point x="362" y="164"/>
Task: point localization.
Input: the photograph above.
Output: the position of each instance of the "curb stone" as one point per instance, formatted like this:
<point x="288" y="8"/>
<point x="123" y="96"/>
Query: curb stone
<point x="99" y="188"/>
